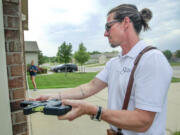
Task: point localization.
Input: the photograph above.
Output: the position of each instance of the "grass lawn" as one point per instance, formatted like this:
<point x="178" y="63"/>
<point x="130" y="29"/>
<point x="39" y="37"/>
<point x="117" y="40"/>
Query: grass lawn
<point x="175" y="63"/>
<point x="177" y="133"/>
<point x="59" y="80"/>
<point x="174" y="80"/>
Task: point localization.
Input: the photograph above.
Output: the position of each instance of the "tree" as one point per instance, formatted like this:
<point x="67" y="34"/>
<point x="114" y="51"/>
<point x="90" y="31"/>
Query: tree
<point x="168" y="54"/>
<point x="177" y="53"/>
<point x="81" y="56"/>
<point x="41" y="59"/>
<point x="53" y="59"/>
<point x="94" y="52"/>
<point x="64" y="53"/>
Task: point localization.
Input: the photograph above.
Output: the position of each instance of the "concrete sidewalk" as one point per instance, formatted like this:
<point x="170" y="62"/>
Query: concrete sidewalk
<point x="49" y="125"/>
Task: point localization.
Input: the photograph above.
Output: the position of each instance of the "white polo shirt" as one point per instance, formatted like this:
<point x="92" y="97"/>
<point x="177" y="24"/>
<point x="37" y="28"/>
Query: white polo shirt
<point x="151" y="82"/>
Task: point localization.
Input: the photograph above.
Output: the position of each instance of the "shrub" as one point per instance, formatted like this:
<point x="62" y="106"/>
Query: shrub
<point x="42" y="70"/>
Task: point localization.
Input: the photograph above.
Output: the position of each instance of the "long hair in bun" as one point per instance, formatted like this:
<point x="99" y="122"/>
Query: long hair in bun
<point x="146" y="16"/>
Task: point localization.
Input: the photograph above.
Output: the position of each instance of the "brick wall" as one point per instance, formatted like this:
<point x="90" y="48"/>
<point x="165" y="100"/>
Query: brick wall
<point x="14" y="44"/>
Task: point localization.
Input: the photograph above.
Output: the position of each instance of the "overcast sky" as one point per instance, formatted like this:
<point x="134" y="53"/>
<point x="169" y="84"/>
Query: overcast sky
<point x="51" y="22"/>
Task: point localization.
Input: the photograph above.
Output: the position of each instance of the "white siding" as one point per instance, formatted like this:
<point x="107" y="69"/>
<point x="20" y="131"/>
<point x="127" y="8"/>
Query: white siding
<point x="30" y="57"/>
<point x="5" y="117"/>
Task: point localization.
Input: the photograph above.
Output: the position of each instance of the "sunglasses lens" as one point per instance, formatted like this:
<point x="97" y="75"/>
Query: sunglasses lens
<point x="107" y="27"/>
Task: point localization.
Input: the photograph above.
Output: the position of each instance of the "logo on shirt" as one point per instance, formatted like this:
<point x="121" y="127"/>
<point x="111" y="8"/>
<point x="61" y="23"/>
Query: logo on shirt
<point x="125" y="70"/>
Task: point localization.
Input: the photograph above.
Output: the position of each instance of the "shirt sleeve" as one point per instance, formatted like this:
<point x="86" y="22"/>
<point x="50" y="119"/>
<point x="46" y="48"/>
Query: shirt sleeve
<point x="152" y="80"/>
<point x="103" y="75"/>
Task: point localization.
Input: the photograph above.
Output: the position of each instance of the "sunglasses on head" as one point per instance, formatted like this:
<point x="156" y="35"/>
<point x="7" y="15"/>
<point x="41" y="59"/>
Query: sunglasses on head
<point x="110" y="24"/>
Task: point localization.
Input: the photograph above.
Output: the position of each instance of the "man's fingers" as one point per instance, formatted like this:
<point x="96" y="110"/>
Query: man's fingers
<point x="69" y="102"/>
<point x="44" y="97"/>
<point x="71" y="115"/>
<point x="32" y="99"/>
<point x="40" y="98"/>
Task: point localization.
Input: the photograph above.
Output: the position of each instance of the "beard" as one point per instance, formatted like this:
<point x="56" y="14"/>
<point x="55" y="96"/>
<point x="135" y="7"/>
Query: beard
<point x="114" y="45"/>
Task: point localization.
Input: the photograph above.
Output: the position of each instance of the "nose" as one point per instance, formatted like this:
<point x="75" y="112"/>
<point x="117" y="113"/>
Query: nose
<point x="106" y="34"/>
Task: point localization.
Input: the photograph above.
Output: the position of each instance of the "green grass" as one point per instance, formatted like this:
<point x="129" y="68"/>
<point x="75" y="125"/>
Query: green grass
<point x="174" y="80"/>
<point x="59" y="80"/>
<point x="175" y="63"/>
<point x="177" y="133"/>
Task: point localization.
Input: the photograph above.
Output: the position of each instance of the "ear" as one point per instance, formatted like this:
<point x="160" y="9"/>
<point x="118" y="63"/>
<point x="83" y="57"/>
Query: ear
<point x="127" y="22"/>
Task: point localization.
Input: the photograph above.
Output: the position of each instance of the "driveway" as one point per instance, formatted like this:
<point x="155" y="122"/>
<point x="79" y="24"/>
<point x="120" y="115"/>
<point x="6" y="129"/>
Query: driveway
<point x="49" y="125"/>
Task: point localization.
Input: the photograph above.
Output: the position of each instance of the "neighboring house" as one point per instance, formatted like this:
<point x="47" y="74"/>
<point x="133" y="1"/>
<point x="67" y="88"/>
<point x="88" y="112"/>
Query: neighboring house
<point x="174" y="58"/>
<point x="31" y="52"/>
<point x="102" y="58"/>
<point x="93" y="59"/>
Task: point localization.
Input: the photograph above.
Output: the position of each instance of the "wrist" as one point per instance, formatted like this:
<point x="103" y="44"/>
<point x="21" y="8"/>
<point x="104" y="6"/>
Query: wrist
<point x="97" y="115"/>
<point x="90" y="109"/>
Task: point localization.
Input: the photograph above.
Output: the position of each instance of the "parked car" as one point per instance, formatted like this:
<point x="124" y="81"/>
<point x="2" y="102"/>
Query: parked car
<point x="66" y="68"/>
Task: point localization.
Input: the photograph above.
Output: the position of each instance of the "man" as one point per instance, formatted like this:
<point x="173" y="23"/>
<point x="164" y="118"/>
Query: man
<point x="146" y="114"/>
<point x="33" y="71"/>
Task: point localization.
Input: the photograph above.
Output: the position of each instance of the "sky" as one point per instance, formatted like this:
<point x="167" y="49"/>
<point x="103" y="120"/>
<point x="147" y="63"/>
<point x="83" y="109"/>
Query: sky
<point x="52" y="22"/>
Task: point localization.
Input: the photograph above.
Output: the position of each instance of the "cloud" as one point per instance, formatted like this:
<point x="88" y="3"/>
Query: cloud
<point x="165" y="25"/>
<point x="53" y="22"/>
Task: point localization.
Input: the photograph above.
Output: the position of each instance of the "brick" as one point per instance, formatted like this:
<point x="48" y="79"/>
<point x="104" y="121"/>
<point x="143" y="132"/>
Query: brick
<point x="15" y="106"/>
<point x="13" y="41"/>
<point x="15" y="58"/>
<point x="15" y="1"/>
<point x="18" y="94"/>
<point x="17" y="70"/>
<point x="19" y="128"/>
<point x="12" y="35"/>
<point x="13" y="22"/>
<point x="5" y="0"/>
<point x="26" y="133"/>
<point x="17" y="82"/>
<point x="11" y="9"/>
<point x="19" y="117"/>
<point x="14" y="46"/>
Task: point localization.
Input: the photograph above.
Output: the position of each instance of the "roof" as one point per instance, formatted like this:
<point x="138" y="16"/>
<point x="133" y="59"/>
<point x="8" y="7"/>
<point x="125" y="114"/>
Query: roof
<point x="31" y="46"/>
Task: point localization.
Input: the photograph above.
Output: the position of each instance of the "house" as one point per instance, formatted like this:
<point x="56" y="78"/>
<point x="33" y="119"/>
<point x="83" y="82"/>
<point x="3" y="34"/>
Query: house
<point x="31" y="52"/>
<point x="13" y="22"/>
<point x="102" y="58"/>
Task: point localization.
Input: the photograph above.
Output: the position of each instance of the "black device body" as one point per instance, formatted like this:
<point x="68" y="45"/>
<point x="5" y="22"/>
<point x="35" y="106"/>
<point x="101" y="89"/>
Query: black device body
<point x="49" y="107"/>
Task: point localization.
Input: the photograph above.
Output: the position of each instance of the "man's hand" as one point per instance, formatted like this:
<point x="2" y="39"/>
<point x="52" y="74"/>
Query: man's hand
<point x="45" y="97"/>
<point x="79" y="108"/>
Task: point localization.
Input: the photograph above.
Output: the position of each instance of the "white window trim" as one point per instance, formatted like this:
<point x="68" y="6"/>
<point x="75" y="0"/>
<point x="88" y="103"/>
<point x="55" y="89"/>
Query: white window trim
<point x="5" y="117"/>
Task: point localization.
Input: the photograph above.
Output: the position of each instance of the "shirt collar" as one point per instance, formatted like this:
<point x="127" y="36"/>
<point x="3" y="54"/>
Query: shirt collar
<point x="137" y="48"/>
